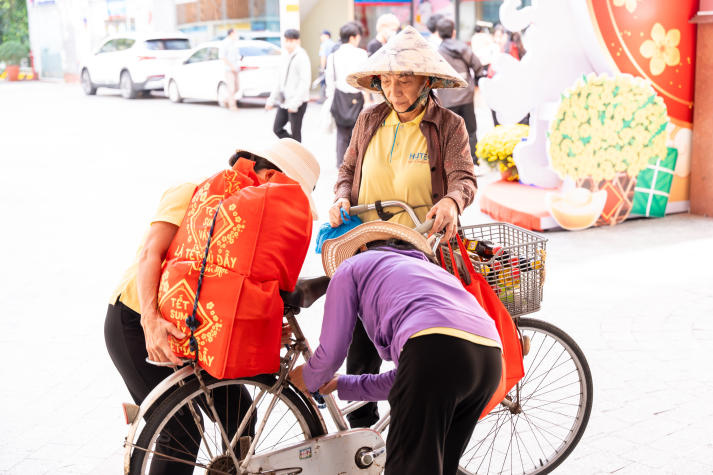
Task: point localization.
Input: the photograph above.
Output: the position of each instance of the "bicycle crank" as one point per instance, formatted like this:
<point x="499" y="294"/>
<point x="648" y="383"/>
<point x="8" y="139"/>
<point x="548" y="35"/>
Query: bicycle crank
<point x="351" y="451"/>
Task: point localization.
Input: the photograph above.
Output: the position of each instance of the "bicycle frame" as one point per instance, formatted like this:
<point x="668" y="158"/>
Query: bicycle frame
<point x="300" y="347"/>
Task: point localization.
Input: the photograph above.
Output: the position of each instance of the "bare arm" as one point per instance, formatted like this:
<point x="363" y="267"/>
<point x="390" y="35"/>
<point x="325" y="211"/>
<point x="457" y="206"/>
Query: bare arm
<point x="329" y="78"/>
<point x="156" y="329"/>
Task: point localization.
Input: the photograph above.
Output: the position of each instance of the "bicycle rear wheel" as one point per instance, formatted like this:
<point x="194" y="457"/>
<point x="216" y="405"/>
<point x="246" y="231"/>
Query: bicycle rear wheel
<point x="182" y="435"/>
<point x="556" y="402"/>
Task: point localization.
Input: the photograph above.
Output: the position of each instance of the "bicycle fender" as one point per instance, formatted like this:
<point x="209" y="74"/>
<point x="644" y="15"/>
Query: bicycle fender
<point x="327" y="455"/>
<point x="151" y="398"/>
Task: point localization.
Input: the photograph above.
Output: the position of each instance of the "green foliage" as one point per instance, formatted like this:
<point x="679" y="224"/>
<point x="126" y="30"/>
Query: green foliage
<point x="13" y="21"/>
<point x="12" y="52"/>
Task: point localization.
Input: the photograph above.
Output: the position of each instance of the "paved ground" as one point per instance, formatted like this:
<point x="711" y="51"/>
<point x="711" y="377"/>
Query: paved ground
<point x="79" y="179"/>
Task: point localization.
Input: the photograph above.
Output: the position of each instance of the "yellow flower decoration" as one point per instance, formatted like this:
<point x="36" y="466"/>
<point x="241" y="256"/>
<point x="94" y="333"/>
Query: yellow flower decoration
<point x="630" y="4"/>
<point x="661" y="48"/>
<point x="497" y="145"/>
<point x="620" y="126"/>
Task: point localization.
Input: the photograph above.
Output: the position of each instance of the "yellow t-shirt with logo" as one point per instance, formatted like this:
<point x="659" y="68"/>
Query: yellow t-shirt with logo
<point x="396" y="167"/>
<point x="171" y="209"/>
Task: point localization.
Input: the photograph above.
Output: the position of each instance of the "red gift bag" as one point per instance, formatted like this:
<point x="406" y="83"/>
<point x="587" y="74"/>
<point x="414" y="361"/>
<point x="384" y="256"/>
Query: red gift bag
<point x="513" y="370"/>
<point x="258" y="243"/>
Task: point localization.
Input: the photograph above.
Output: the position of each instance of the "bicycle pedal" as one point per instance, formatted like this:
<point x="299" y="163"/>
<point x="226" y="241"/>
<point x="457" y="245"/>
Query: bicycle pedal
<point x="244" y="446"/>
<point x="525" y="341"/>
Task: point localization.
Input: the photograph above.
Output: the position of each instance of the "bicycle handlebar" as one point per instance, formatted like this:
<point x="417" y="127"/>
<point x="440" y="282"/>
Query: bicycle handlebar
<point x="422" y="228"/>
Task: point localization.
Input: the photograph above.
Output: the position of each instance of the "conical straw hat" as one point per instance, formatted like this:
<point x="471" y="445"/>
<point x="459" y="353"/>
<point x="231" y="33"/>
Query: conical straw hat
<point x="337" y="250"/>
<point x="406" y="53"/>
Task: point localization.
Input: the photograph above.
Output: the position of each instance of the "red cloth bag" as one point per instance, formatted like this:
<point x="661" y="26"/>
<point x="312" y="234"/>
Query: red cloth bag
<point x="259" y="242"/>
<point x="513" y="370"/>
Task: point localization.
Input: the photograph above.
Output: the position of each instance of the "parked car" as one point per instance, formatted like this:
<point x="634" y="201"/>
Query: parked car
<point x="201" y="75"/>
<point x="136" y="64"/>
<point x="269" y="36"/>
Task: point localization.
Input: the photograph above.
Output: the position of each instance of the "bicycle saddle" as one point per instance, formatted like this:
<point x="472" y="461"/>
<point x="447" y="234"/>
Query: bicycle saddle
<point x="306" y="292"/>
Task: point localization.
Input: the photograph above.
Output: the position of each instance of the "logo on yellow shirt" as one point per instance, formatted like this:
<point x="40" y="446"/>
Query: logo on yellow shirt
<point x="419" y="157"/>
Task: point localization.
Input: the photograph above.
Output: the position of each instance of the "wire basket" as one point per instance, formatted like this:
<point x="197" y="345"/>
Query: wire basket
<point x="517" y="272"/>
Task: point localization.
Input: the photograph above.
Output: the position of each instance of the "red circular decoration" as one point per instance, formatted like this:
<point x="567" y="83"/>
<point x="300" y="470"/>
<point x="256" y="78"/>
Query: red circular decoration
<point x="624" y="26"/>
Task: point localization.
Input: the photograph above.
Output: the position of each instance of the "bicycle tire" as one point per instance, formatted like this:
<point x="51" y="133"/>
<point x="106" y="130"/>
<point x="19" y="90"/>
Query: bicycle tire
<point x="290" y="401"/>
<point x="549" y="429"/>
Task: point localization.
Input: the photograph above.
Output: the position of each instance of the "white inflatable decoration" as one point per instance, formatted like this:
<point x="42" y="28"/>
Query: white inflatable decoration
<point x="561" y="46"/>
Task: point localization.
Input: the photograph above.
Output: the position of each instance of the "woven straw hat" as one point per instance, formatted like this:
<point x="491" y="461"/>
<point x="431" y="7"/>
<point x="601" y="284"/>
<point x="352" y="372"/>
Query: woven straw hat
<point x="336" y="250"/>
<point x="295" y="161"/>
<point x="406" y="53"/>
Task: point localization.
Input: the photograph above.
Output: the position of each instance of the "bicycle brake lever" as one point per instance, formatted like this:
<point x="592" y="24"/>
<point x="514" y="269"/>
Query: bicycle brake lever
<point x="436" y="242"/>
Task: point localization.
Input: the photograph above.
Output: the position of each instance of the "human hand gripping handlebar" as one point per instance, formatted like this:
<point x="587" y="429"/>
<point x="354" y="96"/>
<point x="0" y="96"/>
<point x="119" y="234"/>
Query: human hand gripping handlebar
<point x="422" y="228"/>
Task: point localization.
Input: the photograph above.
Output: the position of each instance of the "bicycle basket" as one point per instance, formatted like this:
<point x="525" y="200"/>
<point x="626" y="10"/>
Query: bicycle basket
<point x="518" y="273"/>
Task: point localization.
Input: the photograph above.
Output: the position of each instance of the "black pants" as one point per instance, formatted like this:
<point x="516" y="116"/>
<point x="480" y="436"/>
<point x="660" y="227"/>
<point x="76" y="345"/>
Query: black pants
<point x="295" y="120"/>
<point x="442" y="385"/>
<point x="344" y="135"/>
<point x="363" y="358"/>
<point x="180" y="438"/>
<point x="467" y="111"/>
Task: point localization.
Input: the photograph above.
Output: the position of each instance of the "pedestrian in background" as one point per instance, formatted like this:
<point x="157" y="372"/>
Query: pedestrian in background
<point x="516" y="49"/>
<point x="386" y="26"/>
<point x="434" y="40"/>
<point x="482" y="43"/>
<point x="347" y="101"/>
<point x="463" y="60"/>
<point x="325" y="48"/>
<point x="229" y="52"/>
<point x="291" y="91"/>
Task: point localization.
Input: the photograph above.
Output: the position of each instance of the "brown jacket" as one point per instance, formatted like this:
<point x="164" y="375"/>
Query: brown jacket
<point x="448" y="154"/>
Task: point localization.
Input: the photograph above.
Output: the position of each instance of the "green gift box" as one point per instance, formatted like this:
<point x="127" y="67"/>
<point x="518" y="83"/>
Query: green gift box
<point x="654" y="184"/>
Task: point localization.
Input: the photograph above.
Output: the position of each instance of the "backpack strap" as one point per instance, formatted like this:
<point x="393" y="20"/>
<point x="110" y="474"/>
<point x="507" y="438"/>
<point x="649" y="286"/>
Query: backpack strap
<point x="192" y="321"/>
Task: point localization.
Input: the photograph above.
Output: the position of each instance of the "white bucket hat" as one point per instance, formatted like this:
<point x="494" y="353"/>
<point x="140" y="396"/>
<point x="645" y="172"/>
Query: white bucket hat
<point x="337" y="250"/>
<point x="295" y="161"/>
<point x="406" y="53"/>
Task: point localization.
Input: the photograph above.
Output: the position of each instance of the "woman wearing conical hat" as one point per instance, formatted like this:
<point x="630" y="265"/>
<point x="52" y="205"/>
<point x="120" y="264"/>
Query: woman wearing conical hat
<point x="407" y="148"/>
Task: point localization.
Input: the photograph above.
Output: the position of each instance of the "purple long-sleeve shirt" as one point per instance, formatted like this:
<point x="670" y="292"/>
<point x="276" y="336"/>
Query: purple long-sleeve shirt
<point x="396" y="294"/>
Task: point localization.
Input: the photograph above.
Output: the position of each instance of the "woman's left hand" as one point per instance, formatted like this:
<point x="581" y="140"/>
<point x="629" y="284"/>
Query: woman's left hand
<point x="445" y="215"/>
<point x="297" y="379"/>
<point x="330" y="386"/>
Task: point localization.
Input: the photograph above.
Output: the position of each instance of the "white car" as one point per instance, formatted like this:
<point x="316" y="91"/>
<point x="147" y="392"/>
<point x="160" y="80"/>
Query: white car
<point x="201" y="76"/>
<point x="269" y="36"/>
<point x="133" y="63"/>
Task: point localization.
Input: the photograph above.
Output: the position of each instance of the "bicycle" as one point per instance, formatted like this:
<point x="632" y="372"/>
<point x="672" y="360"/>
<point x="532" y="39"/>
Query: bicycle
<point x="533" y="430"/>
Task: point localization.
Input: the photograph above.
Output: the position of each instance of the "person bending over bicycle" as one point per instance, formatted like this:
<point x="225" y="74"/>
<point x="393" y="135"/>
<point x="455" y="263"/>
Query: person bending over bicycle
<point x="445" y="347"/>
<point x="134" y="328"/>
<point x="408" y="148"/>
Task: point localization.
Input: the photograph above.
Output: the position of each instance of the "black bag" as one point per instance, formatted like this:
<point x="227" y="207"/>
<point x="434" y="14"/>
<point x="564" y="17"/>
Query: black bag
<point x="346" y="106"/>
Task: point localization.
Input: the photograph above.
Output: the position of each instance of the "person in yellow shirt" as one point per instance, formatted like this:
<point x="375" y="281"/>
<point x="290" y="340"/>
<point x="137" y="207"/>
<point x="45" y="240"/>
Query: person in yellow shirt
<point x="408" y="148"/>
<point x="134" y="329"/>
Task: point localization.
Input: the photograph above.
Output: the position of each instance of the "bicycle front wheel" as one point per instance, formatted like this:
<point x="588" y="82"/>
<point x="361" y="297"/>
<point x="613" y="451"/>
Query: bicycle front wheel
<point x="555" y="404"/>
<point x="182" y="435"/>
